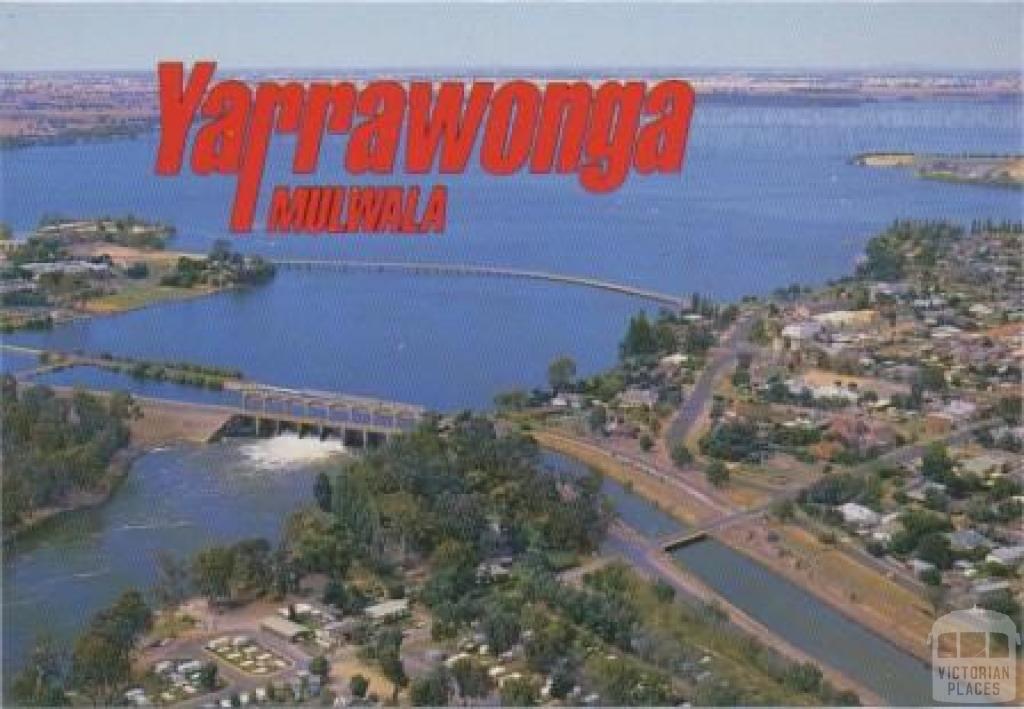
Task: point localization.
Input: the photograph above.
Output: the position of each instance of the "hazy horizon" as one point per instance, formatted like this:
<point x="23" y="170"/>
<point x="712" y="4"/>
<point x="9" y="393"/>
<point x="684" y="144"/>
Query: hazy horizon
<point x="807" y="37"/>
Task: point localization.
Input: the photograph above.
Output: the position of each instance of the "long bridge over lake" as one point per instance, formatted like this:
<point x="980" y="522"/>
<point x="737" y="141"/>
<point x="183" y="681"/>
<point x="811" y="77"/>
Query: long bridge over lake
<point x="462" y="269"/>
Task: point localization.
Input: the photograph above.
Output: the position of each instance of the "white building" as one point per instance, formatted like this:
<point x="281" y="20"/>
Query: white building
<point x="858" y="514"/>
<point x="1006" y="556"/>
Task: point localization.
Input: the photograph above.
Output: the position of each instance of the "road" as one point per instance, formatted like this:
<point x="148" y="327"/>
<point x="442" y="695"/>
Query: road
<point x="696" y="402"/>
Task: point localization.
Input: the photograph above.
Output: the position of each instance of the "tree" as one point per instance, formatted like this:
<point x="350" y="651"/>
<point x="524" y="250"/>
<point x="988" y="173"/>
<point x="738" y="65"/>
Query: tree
<point x="41" y="681"/>
<point x="321" y="667"/>
<point x="664" y="591"/>
<point x="471" y="678"/>
<point x="388" y="650"/>
<point x="99" y="665"/>
<point x="717" y="474"/>
<point x="208" y="676"/>
<point x="681" y="455"/>
<point x="646" y="442"/>
<point x="102" y="657"/>
<point x="935" y="549"/>
<point x="562" y="682"/>
<point x="936" y="463"/>
<point x="1011" y="409"/>
<point x="519" y="693"/>
<point x="211" y="572"/>
<point x="932" y="378"/>
<point x="640" y="338"/>
<point x="358" y="685"/>
<point x="501" y="628"/>
<point x="322" y="491"/>
<point x="172" y="580"/>
<point x="432" y="690"/>
<point x="803" y="677"/>
<point x="783" y="510"/>
<point x="561" y="373"/>
<point x="548" y="645"/>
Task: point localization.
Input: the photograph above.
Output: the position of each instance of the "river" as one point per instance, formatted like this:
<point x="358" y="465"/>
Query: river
<point x="177" y="499"/>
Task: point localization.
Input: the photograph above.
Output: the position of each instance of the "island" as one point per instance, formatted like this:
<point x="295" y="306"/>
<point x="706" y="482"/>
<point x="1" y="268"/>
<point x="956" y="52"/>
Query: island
<point x="991" y="170"/>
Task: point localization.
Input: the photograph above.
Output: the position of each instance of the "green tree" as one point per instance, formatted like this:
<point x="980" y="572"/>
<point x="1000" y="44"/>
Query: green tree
<point x="388" y="651"/>
<point x="936" y="463"/>
<point x="41" y="681"/>
<point x="501" y="628"/>
<point x="173" y="581"/>
<point x="322" y="491"/>
<point x="432" y="690"/>
<point x="561" y="373"/>
<point x="211" y="572"/>
<point x="717" y="474"/>
<point x="208" y="676"/>
<point x="640" y="338"/>
<point x="646" y="442"/>
<point x="358" y="685"/>
<point x="471" y="678"/>
<point x="99" y="666"/>
<point x="519" y="692"/>
<point x="681" y="455"/>
<point x="320" y="667"/>
<point x="935" y="549"/>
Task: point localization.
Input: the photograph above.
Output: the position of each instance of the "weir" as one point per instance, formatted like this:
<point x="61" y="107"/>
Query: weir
<point x="327" y="413"/>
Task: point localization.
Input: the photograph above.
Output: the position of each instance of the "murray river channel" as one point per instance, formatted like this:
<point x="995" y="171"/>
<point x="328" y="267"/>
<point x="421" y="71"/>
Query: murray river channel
<point x="768" y="197"/>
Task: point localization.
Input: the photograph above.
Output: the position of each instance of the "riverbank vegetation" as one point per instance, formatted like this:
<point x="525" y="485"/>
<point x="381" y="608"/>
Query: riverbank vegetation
<point x="99" y="665"/>
<point x="221" y="268"/>
<point x="186" y="373"/>
<point x="57" y="450"/>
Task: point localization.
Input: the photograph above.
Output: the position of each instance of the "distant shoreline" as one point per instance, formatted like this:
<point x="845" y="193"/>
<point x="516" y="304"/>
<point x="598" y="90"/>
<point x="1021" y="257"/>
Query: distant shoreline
<point x="988" y="170"/>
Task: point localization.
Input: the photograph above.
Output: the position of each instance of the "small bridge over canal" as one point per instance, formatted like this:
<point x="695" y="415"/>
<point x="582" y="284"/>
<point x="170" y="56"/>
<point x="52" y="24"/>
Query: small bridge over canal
<point x="462" y="269"/>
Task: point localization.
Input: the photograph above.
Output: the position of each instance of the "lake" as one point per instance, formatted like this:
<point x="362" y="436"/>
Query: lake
<point x="767" y="198"/>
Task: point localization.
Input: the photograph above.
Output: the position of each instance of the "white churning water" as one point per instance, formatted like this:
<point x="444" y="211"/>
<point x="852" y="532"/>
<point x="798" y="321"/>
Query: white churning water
<point x="288" y="450"/>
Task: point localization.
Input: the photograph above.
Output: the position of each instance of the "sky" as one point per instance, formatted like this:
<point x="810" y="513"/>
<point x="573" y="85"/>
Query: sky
<point x="760" y="35"/>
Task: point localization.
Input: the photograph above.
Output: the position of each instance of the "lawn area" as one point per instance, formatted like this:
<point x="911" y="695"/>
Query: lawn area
<point x="139" y="296"/>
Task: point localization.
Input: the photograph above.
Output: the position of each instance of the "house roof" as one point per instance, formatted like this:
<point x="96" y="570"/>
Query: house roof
<point x="283" y="626"/>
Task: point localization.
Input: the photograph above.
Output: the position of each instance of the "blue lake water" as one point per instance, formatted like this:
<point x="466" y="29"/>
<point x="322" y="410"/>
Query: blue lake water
<point x="767" y="198"/>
